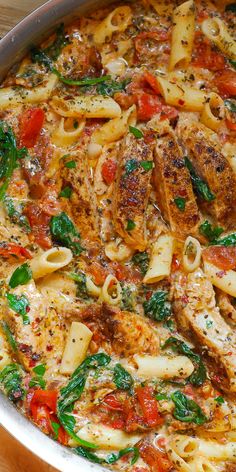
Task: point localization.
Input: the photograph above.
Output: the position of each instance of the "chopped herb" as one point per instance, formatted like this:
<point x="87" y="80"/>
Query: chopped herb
<point x="73" y="391"/>
<point x="20" y="276"/>
<point x="110" y="87"/>
<point x="40" y="369"/>
<point x="10" y="338"/>
<point x="201" y="187"/>
<point x="157" y="307"/>
<point x="15" y="215"/>
<point x="70" y="164"/>
<point x="130" y="225"/>
<point x="209" y="324"/>
<point x="231" y="105"/>
<point x="161" y="396"/>
<point x="122" y="378"/>
<point x="66" y="192"/>
<point x="229" y="240"/>
<point x="198" y="377"/>
<point x="180" y="203"/>
<point x="9" y="155"/>
<point x="210" y="232"/>
<point x="75" y="124"/>
<point x="136" y="132"/>
<point x="55" y="427"/>
<point x="187" y="410"/>
<point x="141" y="259"/>
<point x="111" y="458"/>
<point x="128" y="298"/>
<point x="231" y="7"/>
<point x="232" y="63"/>
<point x="170" y="325"/>
<point x="20" y="305"/>
<point x="11" y="379"/>
<point x="80" y="279"/>
<point x="64" y="232"/>
<point x="146" y="165"/>
<point x="131" y="165"/>
<point x="220" y="400"/>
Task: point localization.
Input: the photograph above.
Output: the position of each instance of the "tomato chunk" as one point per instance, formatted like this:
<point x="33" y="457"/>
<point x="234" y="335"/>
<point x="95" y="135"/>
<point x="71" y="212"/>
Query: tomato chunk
<point x="222" y="257"/>
<point x="45" y="397"/>
<point x="109" y="168"/>
<point x="157" y="461"/>
<point x="226" y="83"/>
<point x="149" y="105"/>
<point x="11" y="249"/>
<point x="39" y="222"/>
<point x="30" y="123"/>
<point x="149" y="406"/>
<point x="205" y="56"/>
<point x="112" y="402"/>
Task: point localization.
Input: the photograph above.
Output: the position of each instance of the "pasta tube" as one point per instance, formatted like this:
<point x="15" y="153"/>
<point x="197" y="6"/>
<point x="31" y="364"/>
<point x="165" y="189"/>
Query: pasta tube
<point x="164" y="367"/>
<point x="107" y="438"/>
<point x="182" y="35"/>
<point x="216" y="30"/>
<point x="50" y="261"/>
<point x="161" y="258"/>
<point x="10" y="97"/>
<point x="177" y="94"/>
<point x="87" y="106"/>
<point x="76" y="347"/>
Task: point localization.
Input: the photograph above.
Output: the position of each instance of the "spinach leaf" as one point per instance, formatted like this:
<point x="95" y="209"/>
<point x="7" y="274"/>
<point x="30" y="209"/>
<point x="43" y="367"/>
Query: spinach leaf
<point x="83" y="452"/>
<point x="180" y="203"/>
<point x="11" y="379"/>
<point x="130" y="225"/>
<point x="86" y="82"/>
<point x="54" y="50"/>
<point x="66" y="192"/>
<point x="110" y="87"/>
<point x="55" y="427"/>
<point x="122" y="379"/>
<point x="219" y="400"/>
<point x="111" y="458"/>
<point x="70" y="164"/>
<point x="80" y="279"/>
<point x="136" y="132"/>
<point x="157" y="307"/>
<point x="20" y="276"/>
<point x="15" y="215"/>
<point x="9" y="155"/>
<point x="231" y="7"/>
<point x="146" y="165"/>
<point x="131" y="165"/>
<point x="229" y="240"/>
<point x="201" y="187"/>
<point x="233" y="63"/>
<point x="64" y="232"/>
<point x="187" y="410"/>
<point x="210" y="232"/>
<point x="10" y="338"/>
<point x="73" y="391"/>
<point x="20" y="305"/>
<point x="198" y="377"/>
<point x="231" y="105"/>
<point x="141" y="259"/>
<point x="38" y="380"/>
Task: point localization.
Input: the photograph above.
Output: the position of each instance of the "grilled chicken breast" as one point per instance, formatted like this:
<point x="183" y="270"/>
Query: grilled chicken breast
<point x="226" y="306"/>
<point x="175" y="196"/>
<point x="126" y="332"/>
<point x="195" y="307"/>
<point x="132" y="191"/>
<point x="210" y="164"/>
<point x="83" y="200"/>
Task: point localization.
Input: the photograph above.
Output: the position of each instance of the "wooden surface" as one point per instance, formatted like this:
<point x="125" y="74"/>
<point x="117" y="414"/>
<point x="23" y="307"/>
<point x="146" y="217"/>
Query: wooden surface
<point x="13" y="456"/>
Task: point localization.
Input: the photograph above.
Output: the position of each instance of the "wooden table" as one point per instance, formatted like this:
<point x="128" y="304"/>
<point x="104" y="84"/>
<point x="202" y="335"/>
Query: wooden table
<point x="13" y="456"/>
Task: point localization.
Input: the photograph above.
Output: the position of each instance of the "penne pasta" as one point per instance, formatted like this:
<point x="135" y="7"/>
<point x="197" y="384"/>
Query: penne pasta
<point x="191" y="254"/>
<point x="164" y="367"/>
<point x="216" y="30"/>
<point x="87" y="106"/>
<point x="182" y="35"/>
<point x="12" y="97"/>
<point x="117" y="21"/>
<point x="181" y="96"/>
<point x="76" y="347"/>
<point x="107" y="438"/>
<point x="118" y="251"/>
<point x="111" y="290"/>
<point x="115" y="129"/>
<point x="223" y="279"/>
<point x="213" y="112"/>
<point x="63" y="136"/>
<point x="50" y="261"/>
<point x="161" y="258"/>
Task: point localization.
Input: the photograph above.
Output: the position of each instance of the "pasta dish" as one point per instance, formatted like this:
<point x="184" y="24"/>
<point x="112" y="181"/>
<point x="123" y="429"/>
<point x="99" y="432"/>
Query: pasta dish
<point x="118" y="236"/>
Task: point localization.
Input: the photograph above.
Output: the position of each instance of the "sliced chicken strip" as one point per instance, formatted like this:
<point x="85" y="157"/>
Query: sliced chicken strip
<point x="210" y="164"/>
<point x="126" y="332"/>
<point x="195" y="308"/>
<point x="132" y="191"/>
<point x="83" y="200"/>
<point x="175" y="195"/>
<point x="226" y="306"/>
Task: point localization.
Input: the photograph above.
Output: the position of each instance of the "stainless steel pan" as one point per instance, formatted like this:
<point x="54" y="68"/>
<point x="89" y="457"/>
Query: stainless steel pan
<point x="12" y="48"/>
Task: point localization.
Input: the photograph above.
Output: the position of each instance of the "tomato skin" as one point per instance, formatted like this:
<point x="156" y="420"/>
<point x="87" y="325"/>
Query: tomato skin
<point x="39" y="222"/>
<point x="226" y="83"/>
<point x="230" y="125"/>
<point x="112" y="402"/>
<point x="109" y="168"/>
<point x="31" y="122"/>
<point x="205" y="56"/>
<point x="149" y="406"/>
<point x="222" y="257"/>
<point x="157" y="461"/>
<point x="11" y="249"/>
<point x="45" y="397"/>
<point x="149" y="105"/>
<point x="98" y="273"/>
<point x="152" y="81"/>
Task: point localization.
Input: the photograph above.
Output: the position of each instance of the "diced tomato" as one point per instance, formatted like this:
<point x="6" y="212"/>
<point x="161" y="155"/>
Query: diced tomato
<point x="231" y="125"/>
<point x="226" y="83"/>
<point x="45" y="397"/>
<point x="11" y="249"/>
<point x="175" y="263"/>
<point x="152" y="81"/>
<point x="30" y="123"/>
<point x="112" y="402"/>
<point x="126" y="273"/>
<point x="109" y="168"/>
<point x="98" y="273"/>
<point x="222" y="257"/>
<point x="157" y="461"/>
<point x="39" y="222"/>
<point x="149" y="105"/>
<point x="205" y="56"/>
<point x="149" y="406"/>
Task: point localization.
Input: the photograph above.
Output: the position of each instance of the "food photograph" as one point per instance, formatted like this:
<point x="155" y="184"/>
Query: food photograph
<point x="118" y="236"/>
